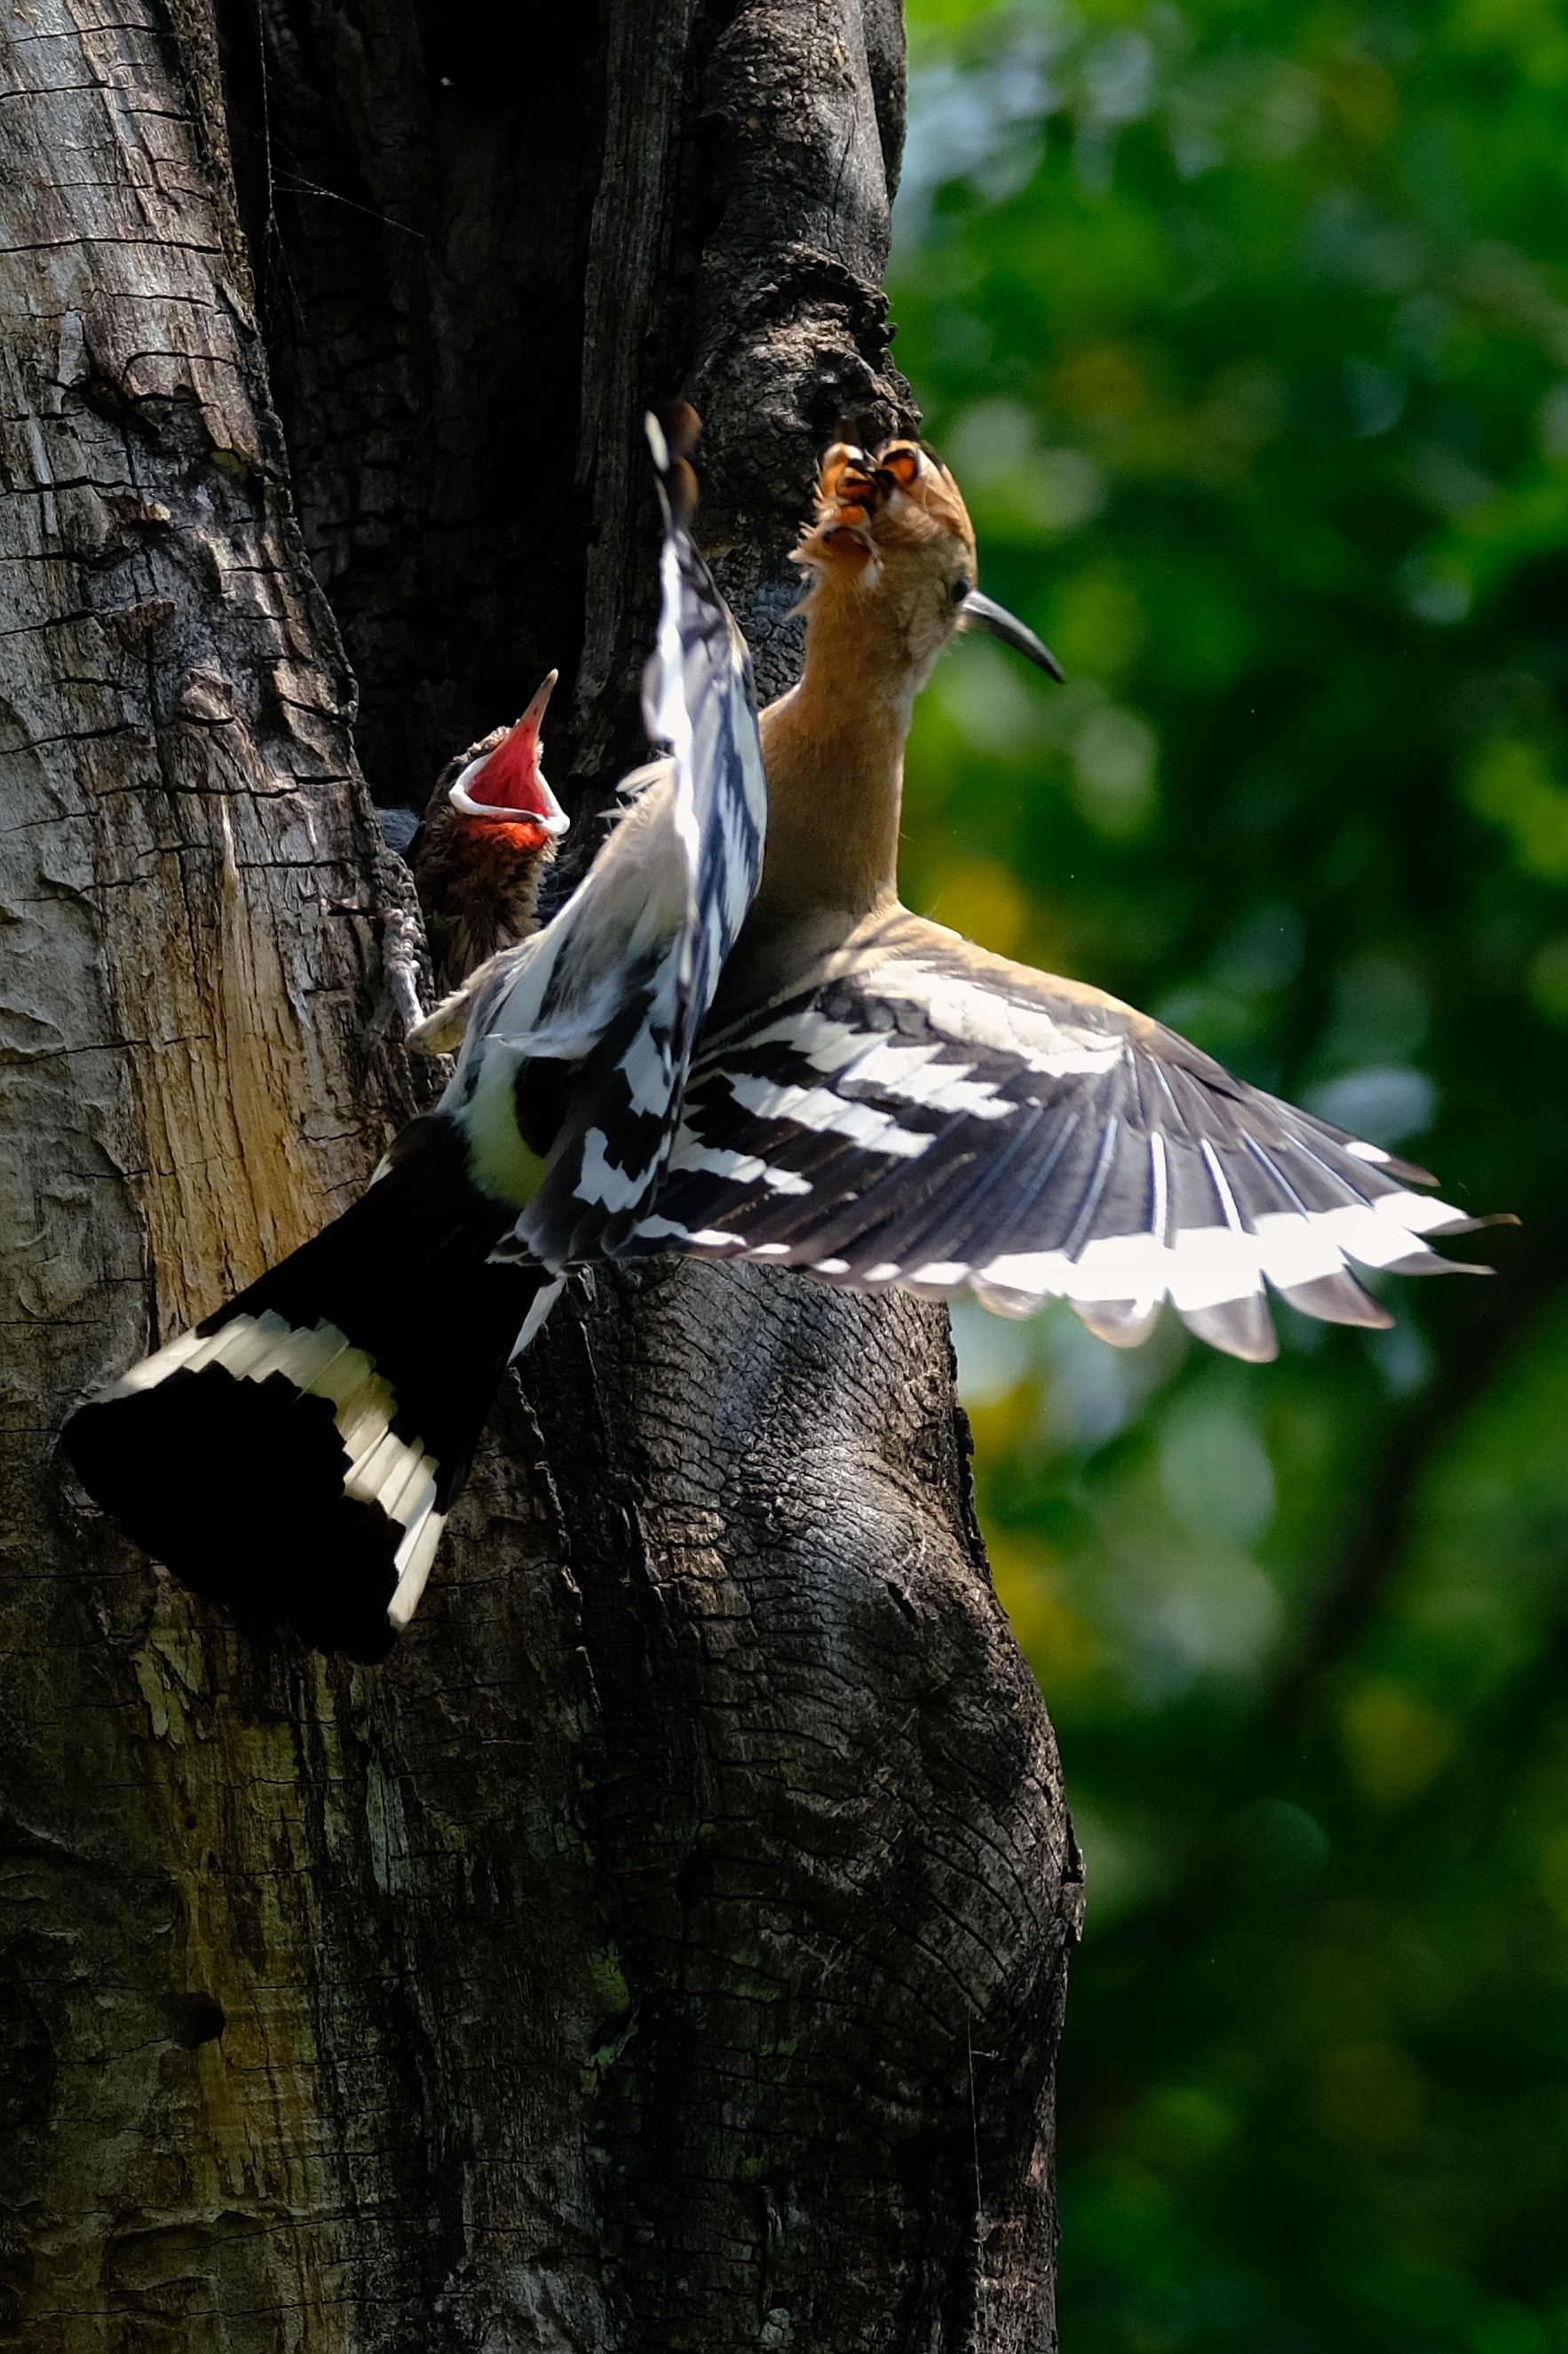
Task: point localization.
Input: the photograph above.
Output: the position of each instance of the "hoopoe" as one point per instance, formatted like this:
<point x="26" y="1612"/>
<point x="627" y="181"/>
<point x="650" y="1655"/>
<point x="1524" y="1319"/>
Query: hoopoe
<point x="489" y="833"/>
<point x="732" y="1041"/>
<point x="880" y="1102"/>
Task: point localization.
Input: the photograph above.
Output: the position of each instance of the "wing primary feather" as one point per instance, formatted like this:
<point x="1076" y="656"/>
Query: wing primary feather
<point x="1127" y="1323"/>
<point x="1240" y="1328"/>
<point x="959" y="1218"/>
<point x="1335" y="1176"/>
<point x="1159" y="1180"/>
<point x="1091" y="1202"/>
<point x="1039" y="1179"/>
<point x="1272" y="1169"/>
<point x="1337" y="1300"/>
<point x="1122" y="1324"/>
<point x="1227" y="1200"/>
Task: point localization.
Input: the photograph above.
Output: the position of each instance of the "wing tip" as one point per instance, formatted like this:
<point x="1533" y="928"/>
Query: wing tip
<point x="1337" y="1300"/>
<point x="1120" y="1323"/>
<point x="1238" y="1328"/>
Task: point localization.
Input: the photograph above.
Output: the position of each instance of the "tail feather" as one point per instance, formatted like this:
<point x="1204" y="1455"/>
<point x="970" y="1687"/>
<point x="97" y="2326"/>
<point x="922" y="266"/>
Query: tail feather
<point x="294" y="1458"/>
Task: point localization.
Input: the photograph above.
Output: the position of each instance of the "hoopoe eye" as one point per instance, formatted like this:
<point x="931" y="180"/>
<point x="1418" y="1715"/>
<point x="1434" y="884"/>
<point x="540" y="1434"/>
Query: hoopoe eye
<point x="961" y="587"/>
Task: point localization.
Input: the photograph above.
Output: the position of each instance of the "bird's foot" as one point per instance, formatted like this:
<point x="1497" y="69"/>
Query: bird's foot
<point x="400" y="944"/>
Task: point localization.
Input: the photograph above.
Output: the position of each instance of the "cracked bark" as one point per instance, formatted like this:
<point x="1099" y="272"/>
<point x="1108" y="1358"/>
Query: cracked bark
<point x="667" y="1948"/>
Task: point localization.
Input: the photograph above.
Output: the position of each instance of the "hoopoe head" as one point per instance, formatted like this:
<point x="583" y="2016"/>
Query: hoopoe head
<point x="503" y="787"/>
<point x="891" y="549"/>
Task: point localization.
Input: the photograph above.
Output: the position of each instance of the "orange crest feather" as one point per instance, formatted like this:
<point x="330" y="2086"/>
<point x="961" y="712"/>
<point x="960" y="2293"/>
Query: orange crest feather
<point x="867" y="506"/>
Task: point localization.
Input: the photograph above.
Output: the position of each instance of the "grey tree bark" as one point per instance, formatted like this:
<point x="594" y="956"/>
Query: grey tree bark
<point x="667" y="1948"/>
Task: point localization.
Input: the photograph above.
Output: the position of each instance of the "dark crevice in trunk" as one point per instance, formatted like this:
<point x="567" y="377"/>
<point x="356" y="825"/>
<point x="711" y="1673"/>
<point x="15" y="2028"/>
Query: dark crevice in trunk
<point x="416" y="184"/>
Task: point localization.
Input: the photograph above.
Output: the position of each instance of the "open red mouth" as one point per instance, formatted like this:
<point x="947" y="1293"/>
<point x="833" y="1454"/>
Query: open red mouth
<point x="508" y="787"/>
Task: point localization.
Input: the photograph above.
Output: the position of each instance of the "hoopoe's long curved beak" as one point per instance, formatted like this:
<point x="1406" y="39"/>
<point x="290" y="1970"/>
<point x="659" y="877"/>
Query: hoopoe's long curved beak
<point x="508" y="783"/>
<point x="977" y="612"/>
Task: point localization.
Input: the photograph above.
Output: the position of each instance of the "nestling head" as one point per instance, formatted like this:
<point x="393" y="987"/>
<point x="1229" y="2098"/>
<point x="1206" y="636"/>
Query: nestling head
<point x="503" y="787"/>
<point x="891" y="552"/>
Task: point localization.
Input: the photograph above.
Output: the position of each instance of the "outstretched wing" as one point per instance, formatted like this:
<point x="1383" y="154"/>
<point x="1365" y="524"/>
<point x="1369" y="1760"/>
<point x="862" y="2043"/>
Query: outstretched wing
<point x="925" y="1114"/>
<point x="700" y="702"/>
<point x="577" y="1043"/>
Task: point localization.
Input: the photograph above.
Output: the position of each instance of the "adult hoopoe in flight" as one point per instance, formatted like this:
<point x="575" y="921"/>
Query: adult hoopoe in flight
<point x="880" y="1102"/>
<point x="709" y="1052"/>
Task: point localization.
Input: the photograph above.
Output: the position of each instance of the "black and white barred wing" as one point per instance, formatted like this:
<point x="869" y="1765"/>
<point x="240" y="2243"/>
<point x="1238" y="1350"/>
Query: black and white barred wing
<point x="583" y="1038"/>
<point x="699" y="699"/>
<point x="945" y="1119"/>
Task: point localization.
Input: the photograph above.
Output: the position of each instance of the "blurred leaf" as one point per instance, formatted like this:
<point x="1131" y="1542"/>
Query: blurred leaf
<point x="1245" y="330"/>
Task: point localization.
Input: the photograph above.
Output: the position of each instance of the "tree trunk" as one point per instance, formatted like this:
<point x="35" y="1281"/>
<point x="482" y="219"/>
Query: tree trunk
<point x="666" y="1947"/>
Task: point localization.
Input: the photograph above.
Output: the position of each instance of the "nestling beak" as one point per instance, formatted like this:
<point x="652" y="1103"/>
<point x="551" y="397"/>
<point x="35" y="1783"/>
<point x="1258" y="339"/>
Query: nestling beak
<point x="508" y="783"/>
<point x="977" y="612"/>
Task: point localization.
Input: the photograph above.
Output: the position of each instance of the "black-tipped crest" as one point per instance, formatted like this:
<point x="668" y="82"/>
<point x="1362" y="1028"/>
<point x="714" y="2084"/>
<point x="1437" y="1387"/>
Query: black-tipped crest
<point x="673" y="428"/>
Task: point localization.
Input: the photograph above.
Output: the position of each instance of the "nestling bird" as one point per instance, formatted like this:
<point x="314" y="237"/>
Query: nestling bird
<point x="714" y="1052"/>
<point x="489" y="833"/>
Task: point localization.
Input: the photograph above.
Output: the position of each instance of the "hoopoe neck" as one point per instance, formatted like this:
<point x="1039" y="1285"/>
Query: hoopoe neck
<point x="835" y="752"/>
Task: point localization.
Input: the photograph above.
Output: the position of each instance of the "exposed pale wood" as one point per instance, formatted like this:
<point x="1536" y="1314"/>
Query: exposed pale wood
<point x="192" y="1080"/>
<point x="180" y="709"/>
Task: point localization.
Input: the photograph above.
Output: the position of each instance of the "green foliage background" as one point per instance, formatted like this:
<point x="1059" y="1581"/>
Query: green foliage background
<point x="1245" y="329"/>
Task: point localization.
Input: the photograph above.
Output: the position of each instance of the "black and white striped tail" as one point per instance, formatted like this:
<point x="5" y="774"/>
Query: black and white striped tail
<point x="294" y="1457"/>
